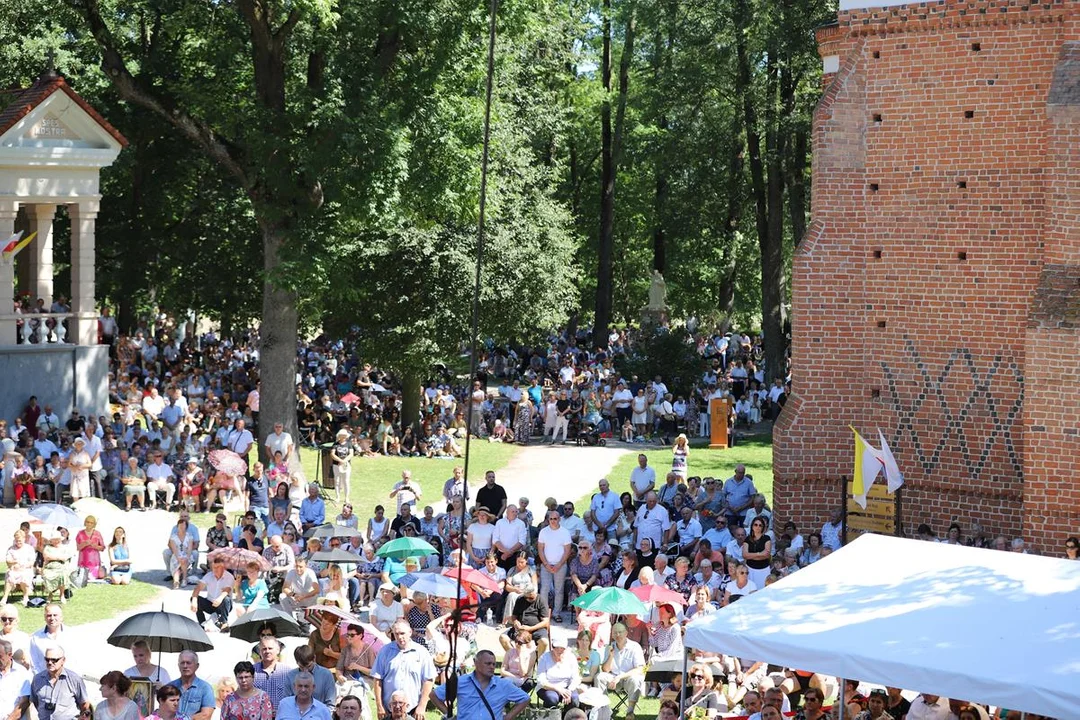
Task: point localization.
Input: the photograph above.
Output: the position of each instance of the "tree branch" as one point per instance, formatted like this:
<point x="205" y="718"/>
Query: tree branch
<point x="219" y="149"/>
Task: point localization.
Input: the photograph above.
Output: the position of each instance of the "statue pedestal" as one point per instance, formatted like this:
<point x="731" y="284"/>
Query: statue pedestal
<point x="653" y="317"/>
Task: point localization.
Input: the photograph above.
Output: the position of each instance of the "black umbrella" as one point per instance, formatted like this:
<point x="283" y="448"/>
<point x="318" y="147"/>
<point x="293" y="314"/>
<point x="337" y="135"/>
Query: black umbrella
<point x="337" y="555"/>
<point x="247" y="627"/>
<point x="163" y="632"/>
<point x="331" y="531"/>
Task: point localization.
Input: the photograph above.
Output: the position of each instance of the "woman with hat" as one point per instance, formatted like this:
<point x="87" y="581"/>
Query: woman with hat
<point x="79" y="465"/>
<point x="54" y="570"/>
<point x="385" y="611"/>
<point x="479" y="537"/>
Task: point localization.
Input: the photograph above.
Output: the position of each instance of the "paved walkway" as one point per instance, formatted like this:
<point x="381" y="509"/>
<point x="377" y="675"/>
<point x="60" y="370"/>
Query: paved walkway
<point x="564" y="472"/>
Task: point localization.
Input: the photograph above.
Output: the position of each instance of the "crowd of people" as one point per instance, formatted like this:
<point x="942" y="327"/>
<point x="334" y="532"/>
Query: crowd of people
<point x="710" y="541"/>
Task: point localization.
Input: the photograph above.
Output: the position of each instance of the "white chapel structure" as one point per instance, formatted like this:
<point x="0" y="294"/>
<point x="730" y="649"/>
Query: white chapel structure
<point x="53" y="146"/>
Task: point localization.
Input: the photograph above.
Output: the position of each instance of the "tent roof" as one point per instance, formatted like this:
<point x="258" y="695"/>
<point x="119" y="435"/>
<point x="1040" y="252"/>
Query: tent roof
<point x="981" y="625"/>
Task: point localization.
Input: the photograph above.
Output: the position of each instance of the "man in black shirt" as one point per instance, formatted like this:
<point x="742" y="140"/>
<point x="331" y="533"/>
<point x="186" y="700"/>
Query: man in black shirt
<point x="397" y="528"/>
<point x="531" y="614"/>
<point x="491" y="496"/>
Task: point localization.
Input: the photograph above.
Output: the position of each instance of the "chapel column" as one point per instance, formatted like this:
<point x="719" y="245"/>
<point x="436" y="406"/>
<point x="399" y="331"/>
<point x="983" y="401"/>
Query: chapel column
<point x="83" y="327"/>
<point x="40" y="252"/>
<point x="8" y="210"/>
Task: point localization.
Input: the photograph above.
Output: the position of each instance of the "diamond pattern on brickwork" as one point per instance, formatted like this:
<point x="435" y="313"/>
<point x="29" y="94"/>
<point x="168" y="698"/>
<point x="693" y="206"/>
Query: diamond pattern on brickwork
<point x="1000" y="388"/>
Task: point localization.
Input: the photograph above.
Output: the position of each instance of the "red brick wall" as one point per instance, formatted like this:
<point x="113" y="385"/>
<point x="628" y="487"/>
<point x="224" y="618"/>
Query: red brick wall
<point x="937" y="174"/>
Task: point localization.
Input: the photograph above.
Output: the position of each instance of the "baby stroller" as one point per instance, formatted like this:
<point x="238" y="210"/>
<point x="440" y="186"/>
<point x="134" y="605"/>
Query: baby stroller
<point x="589" y="436"/>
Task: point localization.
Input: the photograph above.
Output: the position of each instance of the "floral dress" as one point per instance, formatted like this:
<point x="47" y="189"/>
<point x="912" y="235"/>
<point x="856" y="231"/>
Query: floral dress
<point x="254" y="707"/>
<point x="686" y="586"/>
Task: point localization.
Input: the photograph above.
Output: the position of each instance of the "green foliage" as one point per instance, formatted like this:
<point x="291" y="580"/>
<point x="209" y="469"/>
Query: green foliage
<point x="669" y="354"/>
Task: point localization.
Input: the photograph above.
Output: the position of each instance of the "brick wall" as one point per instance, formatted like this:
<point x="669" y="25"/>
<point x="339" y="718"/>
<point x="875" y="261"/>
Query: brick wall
<point x="946" y="179"/>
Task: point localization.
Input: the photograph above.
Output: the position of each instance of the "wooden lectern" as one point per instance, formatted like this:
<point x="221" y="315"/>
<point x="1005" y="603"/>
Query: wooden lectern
<point x="719" y="412"/>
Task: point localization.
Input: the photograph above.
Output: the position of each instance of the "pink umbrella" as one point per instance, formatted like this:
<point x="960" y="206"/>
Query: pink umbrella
<point x="658" y="594"/>
<point x="228" y="462"/>
<point x="238" y="558"/>
<point x="349" y="399"/>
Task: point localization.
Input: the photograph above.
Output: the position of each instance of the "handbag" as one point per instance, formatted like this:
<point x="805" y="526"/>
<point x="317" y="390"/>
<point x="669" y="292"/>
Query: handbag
<point x="80" y="577"/>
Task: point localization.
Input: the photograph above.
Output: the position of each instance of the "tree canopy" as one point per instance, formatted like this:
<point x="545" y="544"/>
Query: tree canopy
<point x="315" y="163"/>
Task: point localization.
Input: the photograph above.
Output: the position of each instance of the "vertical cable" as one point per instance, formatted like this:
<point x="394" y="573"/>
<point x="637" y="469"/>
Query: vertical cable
<point x="451" y="673"/>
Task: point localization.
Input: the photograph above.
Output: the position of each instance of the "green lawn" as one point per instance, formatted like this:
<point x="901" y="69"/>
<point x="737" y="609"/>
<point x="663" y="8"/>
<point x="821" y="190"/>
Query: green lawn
<point x="756" y="454"/>
<point x="372" y="478"/>
<point x="86" y="606"/>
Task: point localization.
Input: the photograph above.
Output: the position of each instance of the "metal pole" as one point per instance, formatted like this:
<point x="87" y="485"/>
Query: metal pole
<point x="682" y="695"/>
<point x="840" y="693"/>
<point x="451" y="668"/>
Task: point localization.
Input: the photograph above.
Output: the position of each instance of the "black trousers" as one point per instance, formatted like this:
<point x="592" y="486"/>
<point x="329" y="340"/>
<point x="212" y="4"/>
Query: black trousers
<point x="206" y="607"/>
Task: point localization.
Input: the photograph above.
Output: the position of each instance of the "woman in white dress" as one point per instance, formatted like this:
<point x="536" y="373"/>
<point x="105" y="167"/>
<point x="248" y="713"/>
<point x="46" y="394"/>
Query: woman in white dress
<point x="638" y="412"/>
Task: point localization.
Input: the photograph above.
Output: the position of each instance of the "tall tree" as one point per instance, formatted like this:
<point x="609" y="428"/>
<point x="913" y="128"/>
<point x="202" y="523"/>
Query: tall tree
<point x="300" y="91"/>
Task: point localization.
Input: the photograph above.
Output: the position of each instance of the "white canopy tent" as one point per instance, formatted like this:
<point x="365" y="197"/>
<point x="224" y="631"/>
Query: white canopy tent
<point x="982" y="625"/>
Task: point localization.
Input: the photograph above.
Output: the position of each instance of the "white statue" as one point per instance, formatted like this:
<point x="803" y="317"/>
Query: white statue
<point x="657" y="292"/>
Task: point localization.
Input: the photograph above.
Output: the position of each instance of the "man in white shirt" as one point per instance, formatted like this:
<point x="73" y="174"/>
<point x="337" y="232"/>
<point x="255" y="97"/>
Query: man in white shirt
<point x="553" y="553"/>
<point x="929" y="707"/>
<point x="652" y="521"/>
<point x="213" y="594"/>
<point x="14" y="685"/>
<point x="301" y="587"/>
<point x="279" y="441"/>
<point x="621" y="400"/>
<point x="49" y="421"/>
<point x="406" y="492"/>
<point x="687" y="532"/>
<point x="239" y="439"/>
<point x="733" y="550"/>
<point x="9" y="630"/>
<point x="51" y="635"/>
<point x="624" y="668"/>
<point x="152" y="405"/>
<point x="44" y="445"/>
<point x="510" y="537"/>
<point x="573" y="524"/>
<point x="604" y="508"/>
<point x="642" y="480"/>
<point x="159" y="478"/>
<point x="93" y="449"/>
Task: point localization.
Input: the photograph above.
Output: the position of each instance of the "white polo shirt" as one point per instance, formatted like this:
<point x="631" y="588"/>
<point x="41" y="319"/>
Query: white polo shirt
<point x="14" y="684"/>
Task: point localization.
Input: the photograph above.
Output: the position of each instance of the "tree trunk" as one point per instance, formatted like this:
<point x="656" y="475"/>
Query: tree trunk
<point x="768" y="191"/>
<point x="604" y="271"/>
<point x="277" y="341"/>
<point x="411" y="382"/>
<point x="731" y="221"/>
<point x="795" y="172"/>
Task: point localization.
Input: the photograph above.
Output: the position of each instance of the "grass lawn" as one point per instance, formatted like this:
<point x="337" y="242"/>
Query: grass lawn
<point x="755" y="454"/>
<point x="86" y="606"/>
<point x="372" y="478"/>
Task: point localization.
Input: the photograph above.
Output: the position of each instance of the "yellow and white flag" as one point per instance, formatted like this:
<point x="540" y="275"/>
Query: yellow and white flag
<point x="868" y="464"/>
<point x="893" y="476"/>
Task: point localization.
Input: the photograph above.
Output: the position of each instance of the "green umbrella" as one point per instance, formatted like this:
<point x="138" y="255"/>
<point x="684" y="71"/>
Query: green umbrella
<point x="406" y="547"/>
<point x="612" y="600"/>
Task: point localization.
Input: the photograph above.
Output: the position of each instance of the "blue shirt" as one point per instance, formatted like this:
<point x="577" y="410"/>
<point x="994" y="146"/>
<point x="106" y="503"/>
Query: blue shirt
<point x="258" y="492"/>
<point x="499" y="694"/>
<point x="312" y="511"/>
<point x="200" y="695"/>
<point x="405" y="670"/>
<point x="276" y="684"/>
<point x="287" y="710"/>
